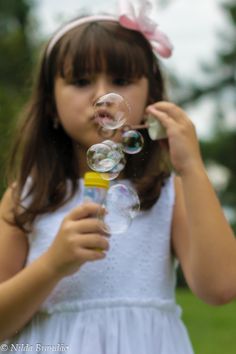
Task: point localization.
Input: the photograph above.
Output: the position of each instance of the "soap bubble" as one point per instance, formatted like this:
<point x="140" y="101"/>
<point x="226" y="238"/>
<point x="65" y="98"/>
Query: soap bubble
<point x="125" y="198"/>
<point x="111" y="111"/>
<point x="102" y="158"/>
<point x="112" y="144"/>
<point x="120" y="166"/>
<point x="115" y="171"/>
<point x="115" y="222"/>
<point x="126" y="127"/>
<point x="109" y="176"/>
<point x="117" y="148"/>
<point x="132" y="141"/>
<point x="106" y="133"/>
<point x="122" y="205"/>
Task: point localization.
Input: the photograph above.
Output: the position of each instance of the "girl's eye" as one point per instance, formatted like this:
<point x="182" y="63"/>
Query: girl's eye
<point x="81" y="82"/>
<point x="120" y="81"/>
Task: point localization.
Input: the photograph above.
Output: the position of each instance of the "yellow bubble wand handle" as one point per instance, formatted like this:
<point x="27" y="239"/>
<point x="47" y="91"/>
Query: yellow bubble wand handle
<point x="95" y="190"/>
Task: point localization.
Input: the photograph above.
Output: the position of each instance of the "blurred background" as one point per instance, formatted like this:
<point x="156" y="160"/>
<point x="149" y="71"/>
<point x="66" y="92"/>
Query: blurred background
<point x="201" y="78"/>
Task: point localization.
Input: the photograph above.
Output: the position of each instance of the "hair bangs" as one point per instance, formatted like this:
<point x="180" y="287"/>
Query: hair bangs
<point x="104" y="47"/>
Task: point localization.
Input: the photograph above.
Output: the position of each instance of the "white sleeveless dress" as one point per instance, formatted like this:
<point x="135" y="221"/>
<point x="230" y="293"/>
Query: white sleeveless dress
<point x="123" y="304"/>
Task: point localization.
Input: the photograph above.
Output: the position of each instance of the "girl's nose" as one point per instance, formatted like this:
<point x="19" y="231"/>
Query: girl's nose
<point x="101" y="88"/>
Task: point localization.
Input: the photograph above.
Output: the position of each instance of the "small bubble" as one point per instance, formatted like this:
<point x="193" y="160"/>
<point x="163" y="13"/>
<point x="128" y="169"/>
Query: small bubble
<point x="132" y="141"/>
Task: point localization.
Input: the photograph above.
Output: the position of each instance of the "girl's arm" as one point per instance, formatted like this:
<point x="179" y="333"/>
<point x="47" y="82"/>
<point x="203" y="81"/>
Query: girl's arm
<point x="202" y="238"/>
<point x="22" y="290"/>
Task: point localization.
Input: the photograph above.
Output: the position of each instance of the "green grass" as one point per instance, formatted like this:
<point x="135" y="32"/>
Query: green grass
<point x="212" y="329"/>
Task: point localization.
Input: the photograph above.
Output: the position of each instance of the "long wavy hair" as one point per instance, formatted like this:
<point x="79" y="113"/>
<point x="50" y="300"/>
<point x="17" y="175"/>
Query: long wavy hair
<point x="47" y="155"/>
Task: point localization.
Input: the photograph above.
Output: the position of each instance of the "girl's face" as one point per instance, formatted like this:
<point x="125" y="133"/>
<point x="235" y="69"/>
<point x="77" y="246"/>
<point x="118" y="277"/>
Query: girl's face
<point x="75" y="100"/>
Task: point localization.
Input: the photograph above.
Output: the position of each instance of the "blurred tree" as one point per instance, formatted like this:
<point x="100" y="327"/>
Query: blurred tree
<point x="16" y="48"/>
<point x="222" y="73"/>
<point x="221" y="89"/>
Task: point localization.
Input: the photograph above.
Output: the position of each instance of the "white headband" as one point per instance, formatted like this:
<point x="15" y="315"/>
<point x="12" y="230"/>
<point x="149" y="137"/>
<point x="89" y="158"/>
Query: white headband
<point x="140" y="22"/>
<point x="69" y="26"/>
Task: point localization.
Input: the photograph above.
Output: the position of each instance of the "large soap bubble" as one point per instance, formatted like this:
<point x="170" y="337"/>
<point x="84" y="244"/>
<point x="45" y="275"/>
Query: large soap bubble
<point x="122" y="205"/>
<point x="111" y="111"/>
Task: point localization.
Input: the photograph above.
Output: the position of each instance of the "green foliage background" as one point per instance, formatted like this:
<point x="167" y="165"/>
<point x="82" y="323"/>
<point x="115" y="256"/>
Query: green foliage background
<point x="16" y="60"/>
<point x="211" y="329"/>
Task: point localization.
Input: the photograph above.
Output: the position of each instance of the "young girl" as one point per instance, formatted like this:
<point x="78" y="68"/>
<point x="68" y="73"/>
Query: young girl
<point x="58" y="291"/>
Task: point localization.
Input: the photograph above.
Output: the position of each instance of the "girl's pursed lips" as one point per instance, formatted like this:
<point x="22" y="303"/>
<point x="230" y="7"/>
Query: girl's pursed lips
<point x="102" y="114"/>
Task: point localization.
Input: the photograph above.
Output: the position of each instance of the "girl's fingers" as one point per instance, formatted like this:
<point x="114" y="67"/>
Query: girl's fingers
<point x="170" y="109"/>
<point x="163" y="117"/>
<point x="94" y="241"/>
<point x="90" y="225"/>
<point x="84" y="211"/>
<point x="90" y="255"/>
<point x="165" y="120"/>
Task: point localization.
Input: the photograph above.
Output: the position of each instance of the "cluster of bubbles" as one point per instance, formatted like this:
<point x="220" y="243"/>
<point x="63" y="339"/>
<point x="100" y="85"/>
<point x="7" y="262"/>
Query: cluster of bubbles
<point x="108" y="159"/>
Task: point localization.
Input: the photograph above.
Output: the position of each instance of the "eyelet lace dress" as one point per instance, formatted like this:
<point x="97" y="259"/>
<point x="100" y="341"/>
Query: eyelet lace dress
<point x="123" y="304"/>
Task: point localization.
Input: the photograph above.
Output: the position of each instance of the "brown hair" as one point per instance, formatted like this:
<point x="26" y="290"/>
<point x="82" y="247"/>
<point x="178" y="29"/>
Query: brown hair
<point x="43" y="152"/>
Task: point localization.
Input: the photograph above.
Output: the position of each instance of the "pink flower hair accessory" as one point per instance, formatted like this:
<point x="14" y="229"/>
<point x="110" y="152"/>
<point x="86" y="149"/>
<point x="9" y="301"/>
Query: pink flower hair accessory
<point x="142" y="22"/>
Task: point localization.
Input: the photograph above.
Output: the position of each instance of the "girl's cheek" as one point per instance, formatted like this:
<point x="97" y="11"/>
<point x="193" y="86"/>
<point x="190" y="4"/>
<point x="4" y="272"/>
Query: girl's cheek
<point x="136" y="116"/>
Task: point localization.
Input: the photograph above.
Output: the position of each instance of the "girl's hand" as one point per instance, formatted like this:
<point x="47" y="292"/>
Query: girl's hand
<point x="81" y="238"/>
<point x="184" y="148"/>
